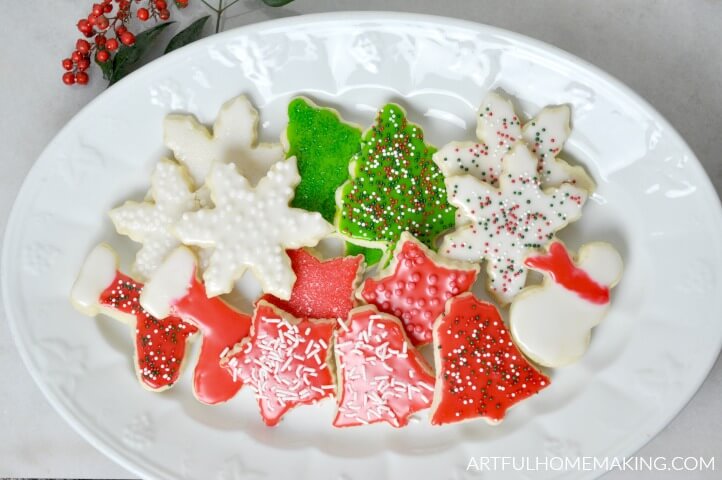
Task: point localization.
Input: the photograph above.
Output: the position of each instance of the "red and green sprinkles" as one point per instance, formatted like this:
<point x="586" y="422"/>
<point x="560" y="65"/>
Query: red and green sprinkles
<point x="160" y="343"/>
<point x="395" y="186"/>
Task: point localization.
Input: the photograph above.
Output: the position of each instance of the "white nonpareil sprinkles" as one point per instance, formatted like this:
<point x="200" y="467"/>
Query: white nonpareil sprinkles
<point x="283" y="361"/>
<point x="382" y="377"/>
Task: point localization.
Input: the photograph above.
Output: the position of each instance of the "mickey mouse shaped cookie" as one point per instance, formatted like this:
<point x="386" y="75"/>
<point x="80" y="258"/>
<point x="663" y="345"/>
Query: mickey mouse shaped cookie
<point x="552" y="323"/>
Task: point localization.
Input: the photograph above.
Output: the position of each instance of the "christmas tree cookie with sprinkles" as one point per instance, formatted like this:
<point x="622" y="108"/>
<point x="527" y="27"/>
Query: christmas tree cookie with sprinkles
<point x="381" y="376"/>
<point x="498" y="129"/>
<point x="394" y="187"/>
<point x="479" y="371"/>
<point x="510" y="222"/>
<point x="284" y="361"/>
<point x="160" y="344"/>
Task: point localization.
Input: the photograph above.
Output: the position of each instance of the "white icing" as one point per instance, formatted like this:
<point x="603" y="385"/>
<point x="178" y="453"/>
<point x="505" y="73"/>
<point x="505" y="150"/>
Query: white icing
<point x="234" y="140"/>
<point x="508" y="223"/>
<point x="498" y="130"/>
<point x="97" y="273"/>
<point x="170" y="283"/>
<point x="252" y="227"/>
<point x="151" y="222"/>
<point x="552" y="325"/>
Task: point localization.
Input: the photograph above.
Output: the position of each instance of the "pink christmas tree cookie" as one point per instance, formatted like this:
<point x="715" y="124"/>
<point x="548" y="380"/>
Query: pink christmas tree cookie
<point x="284" y="361"/>
<point x="552" y="322"/>
<point x="160" y="344"/>
<point x="174" y="290"/>
<point x="479" y="371"/>
<point x="416" y="286"/>
<point x="381" y="376"/>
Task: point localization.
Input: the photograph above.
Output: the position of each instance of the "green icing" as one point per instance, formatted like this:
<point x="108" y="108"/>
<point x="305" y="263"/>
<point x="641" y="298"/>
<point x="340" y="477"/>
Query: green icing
<point x="372" y="256"/>
<point x="395" y="186"/>
<point x="323" y="146"/>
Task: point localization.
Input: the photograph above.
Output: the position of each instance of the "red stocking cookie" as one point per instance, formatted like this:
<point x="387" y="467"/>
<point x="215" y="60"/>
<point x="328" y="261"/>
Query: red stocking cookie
<point x="174" y="289"/>
<point x="416" y="286"/>
<point x="381" y="376"/>
<point x="285" y="361"/>
<point x="479" y="371"/>
<point x="160" y="344"/>
<point x="323" y="289"/>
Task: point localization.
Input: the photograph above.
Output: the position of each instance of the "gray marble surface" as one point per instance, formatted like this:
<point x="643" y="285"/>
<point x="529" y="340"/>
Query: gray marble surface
<point x="668" y="51"/>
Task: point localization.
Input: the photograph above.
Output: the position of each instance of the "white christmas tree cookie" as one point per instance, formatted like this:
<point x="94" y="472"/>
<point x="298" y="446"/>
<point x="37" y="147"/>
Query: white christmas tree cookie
<point x="508" y="223"/>
<point x="151" y="222"/>
<point x="251" y="228"/>
<point x="234" y="140"/>
<point x="552" y="323"/>
<point x="498" y="130"/>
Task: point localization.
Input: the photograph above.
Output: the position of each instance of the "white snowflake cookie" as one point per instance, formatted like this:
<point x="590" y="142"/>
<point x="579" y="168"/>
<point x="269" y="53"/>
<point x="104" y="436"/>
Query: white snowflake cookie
<point x="151" y="222"/>
<point x="234" y="140"/>
<point x="508" y="223"/>
<point x="552" y="323"/>
<point x="251" y="228"/>
<point x="498" y="130"/>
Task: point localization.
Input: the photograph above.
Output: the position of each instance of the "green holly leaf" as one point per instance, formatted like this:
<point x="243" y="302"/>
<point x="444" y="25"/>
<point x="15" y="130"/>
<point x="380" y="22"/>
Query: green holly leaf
<point x="277" y="3"/>
<point x="106" y="68"/>
<point x="127" y="57"/>
<point x="188" y="35"/>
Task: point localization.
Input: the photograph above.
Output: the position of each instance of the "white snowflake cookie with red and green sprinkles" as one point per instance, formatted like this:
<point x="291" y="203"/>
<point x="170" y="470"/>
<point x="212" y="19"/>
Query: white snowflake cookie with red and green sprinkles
<point x="498" y="129"/>
<point x="510" y="222"/>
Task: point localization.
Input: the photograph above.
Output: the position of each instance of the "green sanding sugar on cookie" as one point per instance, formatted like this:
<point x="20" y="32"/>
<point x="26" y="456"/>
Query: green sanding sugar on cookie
<point x="395" y="186"/>
<point x="372" y="256"/>
<point x="323" y="146"/>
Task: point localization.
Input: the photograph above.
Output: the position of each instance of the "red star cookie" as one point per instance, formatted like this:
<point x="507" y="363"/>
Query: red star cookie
<point x="479" y="371"/>
<point x="416" y="286"/>
<point x="381" y="376"/>
<point x="284" y="361"/>
<point x="323" y="289"/>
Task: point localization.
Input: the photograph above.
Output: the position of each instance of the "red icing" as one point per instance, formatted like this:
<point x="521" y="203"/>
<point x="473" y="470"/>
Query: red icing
<point x="323" y="289"/>
<point x="417" y="290"/>
<point x="562" y="270"/>
<point x="480" y="372"/>
<point x="160" y="343"/>
<point x="284" y="361"/>
<point x="382" y="377"/>
<point x="221" y="327"/>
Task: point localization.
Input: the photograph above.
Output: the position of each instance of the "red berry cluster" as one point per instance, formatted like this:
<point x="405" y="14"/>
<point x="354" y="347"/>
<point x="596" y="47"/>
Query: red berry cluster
<point x="105" y="29"/>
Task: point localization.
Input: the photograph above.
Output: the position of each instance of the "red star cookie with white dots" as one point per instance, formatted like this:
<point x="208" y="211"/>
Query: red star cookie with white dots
<point x="479" y="371"/>
<point x="416" y="286"/>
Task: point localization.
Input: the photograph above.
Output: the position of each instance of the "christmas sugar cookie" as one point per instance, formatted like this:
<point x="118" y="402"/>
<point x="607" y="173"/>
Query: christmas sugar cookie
<point x="151" y="222"/>
<point x="394" y="187"/>
<point x="479" y="371"/>
<point x="285" y="361"/>
<point x="416" y="286"/>
<point x="251" y="227"/>
<point x="381" y="376"/>
<point x="510" y="222"/>
<point x="498" y="130"/>
<point x="234" y="140"/>
<point x="174" y="290"/>
<point x="552" y="323"/>
<point x="323" y="288"/>
<point x="323" y="145"/>
<point x="160" y="344"/>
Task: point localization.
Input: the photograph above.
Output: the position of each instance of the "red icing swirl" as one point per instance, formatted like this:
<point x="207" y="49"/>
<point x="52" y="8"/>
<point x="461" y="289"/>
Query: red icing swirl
<point x="160" y="344"/>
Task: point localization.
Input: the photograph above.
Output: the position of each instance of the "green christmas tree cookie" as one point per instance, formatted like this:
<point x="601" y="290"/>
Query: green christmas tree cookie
<point x="395" y="186"/>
